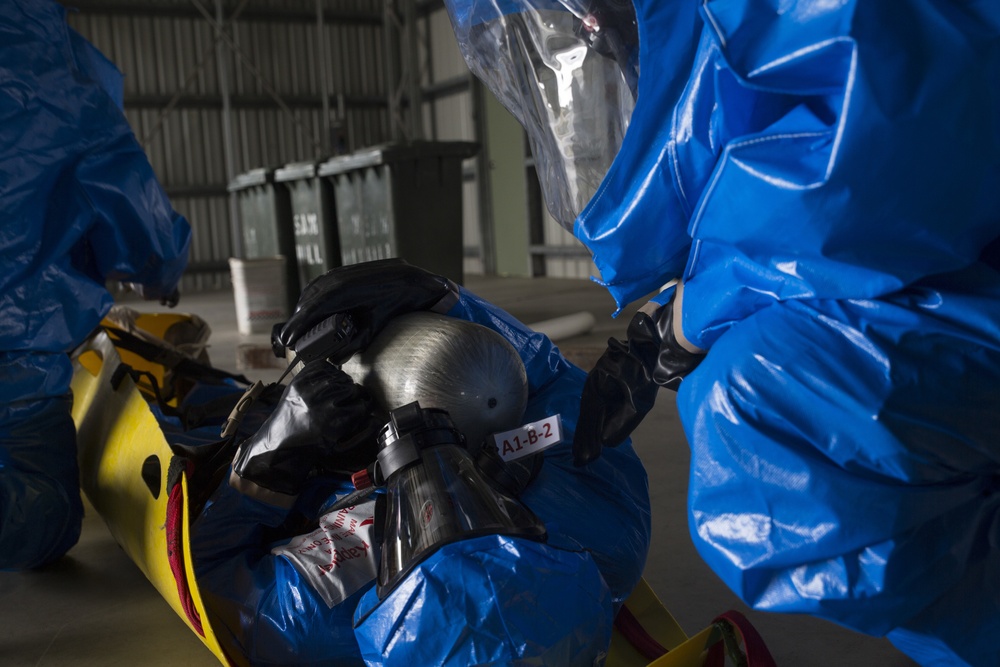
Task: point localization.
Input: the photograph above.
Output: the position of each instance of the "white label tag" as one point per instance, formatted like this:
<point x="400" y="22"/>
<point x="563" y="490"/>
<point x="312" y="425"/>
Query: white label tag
<point x="529" y="439"/>
<point x="337" y="558"/>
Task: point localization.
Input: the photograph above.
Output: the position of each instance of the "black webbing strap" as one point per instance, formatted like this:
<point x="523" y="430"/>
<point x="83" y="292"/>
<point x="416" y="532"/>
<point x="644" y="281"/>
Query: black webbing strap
<point x="171" y="359"/>
<point x="181" y="365"/>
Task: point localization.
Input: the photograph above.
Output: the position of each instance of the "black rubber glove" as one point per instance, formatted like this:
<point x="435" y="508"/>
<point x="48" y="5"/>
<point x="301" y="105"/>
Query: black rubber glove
<point x="323" y="421"/>
<point x="372" y="293"/>
<point x="621" y="389"/>
<point x="171" y="300"/>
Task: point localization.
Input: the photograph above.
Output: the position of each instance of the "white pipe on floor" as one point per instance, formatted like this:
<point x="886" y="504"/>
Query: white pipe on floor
<point x="567" y="326"/>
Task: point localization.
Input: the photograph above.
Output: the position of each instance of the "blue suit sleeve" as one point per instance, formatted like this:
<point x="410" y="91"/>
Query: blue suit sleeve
<point x="835" y="151"/>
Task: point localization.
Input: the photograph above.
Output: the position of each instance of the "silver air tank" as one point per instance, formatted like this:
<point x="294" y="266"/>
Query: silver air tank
<point x="442" y="362"/>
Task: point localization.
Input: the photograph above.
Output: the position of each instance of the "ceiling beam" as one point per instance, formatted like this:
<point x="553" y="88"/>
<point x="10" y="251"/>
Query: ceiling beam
<point x="154" y="9"/>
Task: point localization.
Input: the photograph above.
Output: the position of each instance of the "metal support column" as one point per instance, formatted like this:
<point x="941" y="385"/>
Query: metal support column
<point x="222" y="65"/>
<point x="402" y="67"/>
<point x="487" y="241"/>
<point x="322" y="56"/>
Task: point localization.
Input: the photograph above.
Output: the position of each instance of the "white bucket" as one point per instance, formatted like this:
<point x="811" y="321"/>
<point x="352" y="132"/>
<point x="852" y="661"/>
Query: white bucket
<point x="259" y="292"/>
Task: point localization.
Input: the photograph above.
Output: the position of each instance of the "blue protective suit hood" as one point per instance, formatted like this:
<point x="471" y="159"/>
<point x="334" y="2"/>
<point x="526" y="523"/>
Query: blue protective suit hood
<point x="779" y="151"/>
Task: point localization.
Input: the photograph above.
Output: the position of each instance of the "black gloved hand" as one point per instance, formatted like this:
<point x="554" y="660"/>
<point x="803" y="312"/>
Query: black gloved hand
<point x="372" y="293"/>
<point x="323" y="420"/>
<point x="171" y="300"/>
<point x="621" y="388"/>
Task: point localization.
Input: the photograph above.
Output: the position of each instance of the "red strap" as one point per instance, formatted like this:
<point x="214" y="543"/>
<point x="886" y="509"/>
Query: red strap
<point x="631" y="629"/>
<point x="757" y="653"/>
<point x="175" y="554"/>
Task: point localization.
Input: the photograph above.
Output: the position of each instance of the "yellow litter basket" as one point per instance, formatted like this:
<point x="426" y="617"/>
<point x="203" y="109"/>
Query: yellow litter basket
<point x="125" y="469"/>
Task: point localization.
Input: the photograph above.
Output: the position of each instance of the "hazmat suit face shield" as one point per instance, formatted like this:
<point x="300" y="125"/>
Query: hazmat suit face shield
<point x="568" y="70"/>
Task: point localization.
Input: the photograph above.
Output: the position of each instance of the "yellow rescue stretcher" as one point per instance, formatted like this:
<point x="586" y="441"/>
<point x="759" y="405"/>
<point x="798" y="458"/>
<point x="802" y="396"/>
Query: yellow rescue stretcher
<point x="135" y="482"/>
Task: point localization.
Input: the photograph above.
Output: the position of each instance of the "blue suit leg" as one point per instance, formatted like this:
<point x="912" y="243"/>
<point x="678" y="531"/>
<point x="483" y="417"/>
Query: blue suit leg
<point x="40" y="506"/>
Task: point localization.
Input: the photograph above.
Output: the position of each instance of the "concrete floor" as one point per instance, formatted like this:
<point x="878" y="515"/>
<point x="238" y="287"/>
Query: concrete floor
<point x="94" y="608"/>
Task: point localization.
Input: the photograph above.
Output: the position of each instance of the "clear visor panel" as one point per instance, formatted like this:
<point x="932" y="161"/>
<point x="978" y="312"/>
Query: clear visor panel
<point x="568" y="72"/>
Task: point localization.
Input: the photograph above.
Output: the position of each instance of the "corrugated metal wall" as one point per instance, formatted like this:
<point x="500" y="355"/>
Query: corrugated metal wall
<point x="174" y="100"/>
<point x="272" y="62"/>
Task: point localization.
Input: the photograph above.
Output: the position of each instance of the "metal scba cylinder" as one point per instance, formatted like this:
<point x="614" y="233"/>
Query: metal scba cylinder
<point x="443" y="362"/>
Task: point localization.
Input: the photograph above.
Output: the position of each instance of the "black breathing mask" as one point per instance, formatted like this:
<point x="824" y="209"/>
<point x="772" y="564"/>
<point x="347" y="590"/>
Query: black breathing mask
<point x="436" y="493"/>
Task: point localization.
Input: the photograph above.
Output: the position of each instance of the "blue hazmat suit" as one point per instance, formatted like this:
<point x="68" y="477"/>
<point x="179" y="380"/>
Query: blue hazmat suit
<point x="489" y="600"/>
<point x="80" y="206"/>
<point x="823" y="177"/>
